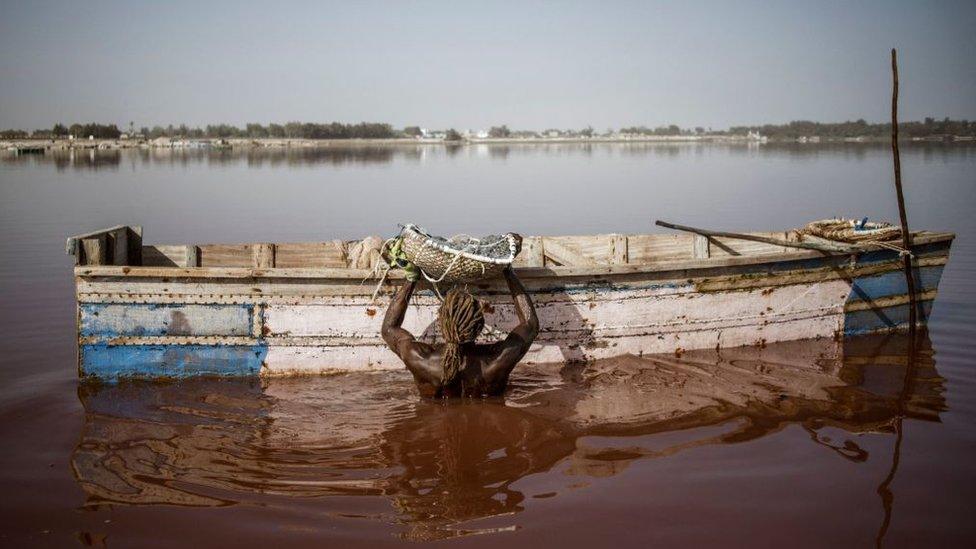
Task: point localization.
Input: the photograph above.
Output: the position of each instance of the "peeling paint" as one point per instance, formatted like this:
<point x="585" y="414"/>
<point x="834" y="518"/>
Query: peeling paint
<point x="130" y="319"/>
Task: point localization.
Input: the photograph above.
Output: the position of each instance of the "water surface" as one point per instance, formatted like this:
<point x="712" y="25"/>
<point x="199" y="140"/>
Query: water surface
<point x="806" y="443"/>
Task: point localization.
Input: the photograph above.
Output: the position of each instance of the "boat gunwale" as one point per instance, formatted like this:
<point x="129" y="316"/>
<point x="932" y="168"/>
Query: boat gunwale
<point x="92" y="271"/>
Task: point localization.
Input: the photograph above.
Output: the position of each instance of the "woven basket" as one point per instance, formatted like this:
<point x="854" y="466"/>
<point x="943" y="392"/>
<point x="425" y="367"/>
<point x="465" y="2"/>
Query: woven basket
<point x="445" y="261"/>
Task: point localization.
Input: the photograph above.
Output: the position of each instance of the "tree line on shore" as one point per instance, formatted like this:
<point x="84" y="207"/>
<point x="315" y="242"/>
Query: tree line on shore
<point x="374" y="130"/>
<point x="929" y="127"/>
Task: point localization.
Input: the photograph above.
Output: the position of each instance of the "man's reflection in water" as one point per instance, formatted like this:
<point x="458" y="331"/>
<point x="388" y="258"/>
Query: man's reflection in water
<point x="449" y="467"/>
<point x="458" y="461"/>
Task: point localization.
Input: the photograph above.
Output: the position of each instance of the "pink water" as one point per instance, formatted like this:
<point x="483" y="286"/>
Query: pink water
<point x="799" y="444"/>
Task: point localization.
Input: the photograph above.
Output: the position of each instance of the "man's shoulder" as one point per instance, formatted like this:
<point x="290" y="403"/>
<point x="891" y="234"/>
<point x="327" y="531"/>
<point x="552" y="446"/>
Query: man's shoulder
<point x="422" y="350"/>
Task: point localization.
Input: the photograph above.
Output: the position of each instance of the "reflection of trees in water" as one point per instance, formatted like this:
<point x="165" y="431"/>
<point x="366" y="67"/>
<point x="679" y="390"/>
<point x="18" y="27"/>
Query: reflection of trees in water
<point x="62" y="160"/>
<point x="312" y="156"/>
<point x="353" y="154"/>
<point x="446" y="464"/>
<point x="92" y="159"/>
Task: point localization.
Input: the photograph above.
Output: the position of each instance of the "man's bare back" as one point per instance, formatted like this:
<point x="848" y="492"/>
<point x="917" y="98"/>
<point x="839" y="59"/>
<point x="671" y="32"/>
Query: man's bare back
<point x="485" y="368"/>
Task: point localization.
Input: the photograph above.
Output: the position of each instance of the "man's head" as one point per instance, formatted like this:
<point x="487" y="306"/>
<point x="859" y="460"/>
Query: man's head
<point x="460" y="317"/>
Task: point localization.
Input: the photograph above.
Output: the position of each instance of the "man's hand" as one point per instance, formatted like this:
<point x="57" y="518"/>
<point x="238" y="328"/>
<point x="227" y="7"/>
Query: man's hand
<point x="411" y="272"/>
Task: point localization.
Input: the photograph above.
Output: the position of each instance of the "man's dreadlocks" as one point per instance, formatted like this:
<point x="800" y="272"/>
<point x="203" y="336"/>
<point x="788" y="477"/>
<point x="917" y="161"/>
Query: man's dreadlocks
<point x="461" y="320"/>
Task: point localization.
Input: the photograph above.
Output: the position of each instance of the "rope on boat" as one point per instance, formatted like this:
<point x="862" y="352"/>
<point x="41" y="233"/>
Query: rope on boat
<point x="385" y="264"/>
<point x="856" y="232"/>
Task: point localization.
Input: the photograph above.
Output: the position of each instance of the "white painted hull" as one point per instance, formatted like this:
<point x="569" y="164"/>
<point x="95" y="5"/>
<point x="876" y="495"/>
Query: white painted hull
<point x="574" y="327"/>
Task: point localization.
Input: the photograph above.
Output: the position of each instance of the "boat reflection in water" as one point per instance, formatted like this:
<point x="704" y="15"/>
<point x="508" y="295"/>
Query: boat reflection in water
<point x="446" y="464"/>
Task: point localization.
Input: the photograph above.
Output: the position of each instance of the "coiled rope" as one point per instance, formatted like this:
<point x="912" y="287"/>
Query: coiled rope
<point x="855" y="232"/>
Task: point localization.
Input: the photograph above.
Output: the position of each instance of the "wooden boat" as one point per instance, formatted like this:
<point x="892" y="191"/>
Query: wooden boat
<point x="305" y="308"/>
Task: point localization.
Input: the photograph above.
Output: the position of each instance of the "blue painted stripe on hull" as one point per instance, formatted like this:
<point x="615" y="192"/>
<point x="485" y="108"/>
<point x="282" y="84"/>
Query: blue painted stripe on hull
<point x="109" y="320"/>
<point x="880" y="256"/>
<point x="839" y="261"/>
<point x="886" y="318"/>
<point x="763" y="269"/>
<point x="893" y="283"/>
<point x="112" y="362"/>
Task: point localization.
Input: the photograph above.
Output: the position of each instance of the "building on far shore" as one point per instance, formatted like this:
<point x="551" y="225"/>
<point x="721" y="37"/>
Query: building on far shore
<point x="756" y="136"/>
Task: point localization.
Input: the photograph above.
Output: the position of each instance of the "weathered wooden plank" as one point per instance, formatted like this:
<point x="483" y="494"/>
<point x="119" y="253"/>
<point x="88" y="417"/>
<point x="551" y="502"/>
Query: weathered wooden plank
<point x="595" y="248"/>
<point x="721" y="246"/>
<point x="72" y="244"/>
<point x="646" y="248"/>
<point x="226" y="255"/>
<point x="263" y="255"/>
<point x="191" y="256"/>
<point x="564" y="252"/>
<point x="532" y="254"/>
<point x="119" y="240"/>
<point x="618" y="250"/>
<point x="331" y="254"/>
<point x="161" y="255"/>
<point x="183" y="255"/>
<point x="94" y="250"/>
<point x="133" y="239"/>
<point x="701" y="247"/>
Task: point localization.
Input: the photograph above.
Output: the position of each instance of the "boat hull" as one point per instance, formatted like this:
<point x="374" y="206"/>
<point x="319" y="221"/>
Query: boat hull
<point x="174" y="323"/>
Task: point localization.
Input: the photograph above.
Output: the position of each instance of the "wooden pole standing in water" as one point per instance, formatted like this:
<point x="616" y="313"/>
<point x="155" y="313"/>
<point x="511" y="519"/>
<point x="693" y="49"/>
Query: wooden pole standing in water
<point x="884" y="489"/>
<point x="905" y="235"/>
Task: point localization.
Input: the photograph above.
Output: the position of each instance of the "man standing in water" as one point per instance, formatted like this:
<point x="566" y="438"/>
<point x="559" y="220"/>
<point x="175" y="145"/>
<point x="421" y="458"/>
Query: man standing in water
<point x="460" y="367"/>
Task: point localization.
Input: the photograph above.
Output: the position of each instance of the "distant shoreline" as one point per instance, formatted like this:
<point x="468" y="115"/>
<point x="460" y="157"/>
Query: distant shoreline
<point x="31" y="144"/>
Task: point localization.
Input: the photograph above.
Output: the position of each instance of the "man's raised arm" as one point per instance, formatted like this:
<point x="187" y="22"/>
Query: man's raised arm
<point x="528" y="326"/>
<point x="395" y="336"/>
<point x="513" y="348"/>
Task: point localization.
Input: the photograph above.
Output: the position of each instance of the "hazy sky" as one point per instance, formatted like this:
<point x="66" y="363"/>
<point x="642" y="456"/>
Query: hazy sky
<point x="471" y="65"/>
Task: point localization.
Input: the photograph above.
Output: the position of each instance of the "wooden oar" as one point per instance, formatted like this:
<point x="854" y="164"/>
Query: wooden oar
<point x="765" y="239"/>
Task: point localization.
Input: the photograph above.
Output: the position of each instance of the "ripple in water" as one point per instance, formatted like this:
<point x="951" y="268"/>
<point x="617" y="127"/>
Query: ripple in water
<point x="444" y="466"/>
